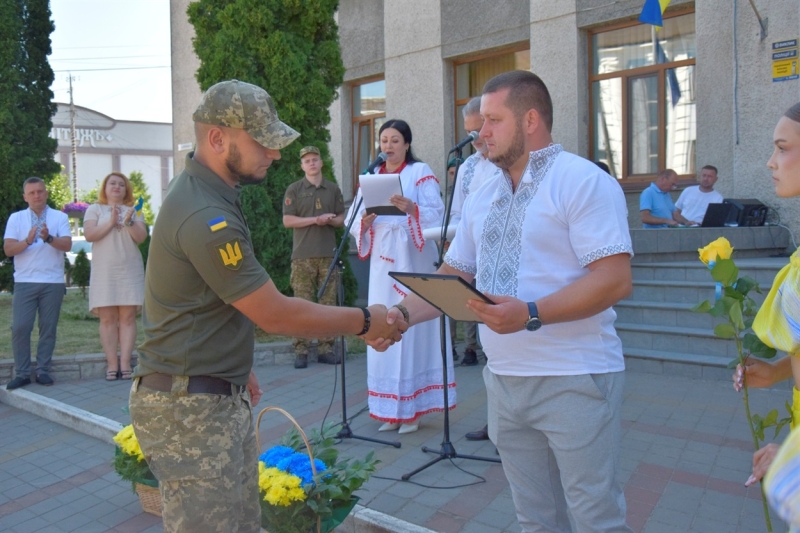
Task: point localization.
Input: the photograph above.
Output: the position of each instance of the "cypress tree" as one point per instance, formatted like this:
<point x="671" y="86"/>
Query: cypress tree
<point x="26" y="107"/>
<point x="291" y="49"/>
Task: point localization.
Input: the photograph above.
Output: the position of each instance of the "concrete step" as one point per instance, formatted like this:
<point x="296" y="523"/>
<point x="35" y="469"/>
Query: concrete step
<point x="763" y="270"/>
<point x="699" y="341"/>
<point x="677" y="363"/>
<point x="684" y="292"/>
<point x="686" y="364"/>
<point x="662" y="314"/>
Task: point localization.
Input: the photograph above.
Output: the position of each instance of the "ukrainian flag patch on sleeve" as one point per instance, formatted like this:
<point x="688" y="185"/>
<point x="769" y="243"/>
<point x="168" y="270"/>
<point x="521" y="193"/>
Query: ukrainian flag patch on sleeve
<point x="216" y="224"/>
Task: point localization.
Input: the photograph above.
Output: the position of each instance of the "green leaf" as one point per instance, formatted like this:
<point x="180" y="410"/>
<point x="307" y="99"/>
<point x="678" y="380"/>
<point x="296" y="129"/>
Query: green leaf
<point x="732" y="364"/>
<point x="753" y="344"/>
<point x="730" y="292"/>
<point x="780" y="425"/>
<point x="703" y="307"/>
<point x="719" y="309"/>
<point x="724" y="331"/>
<point x="771" y="419"/>
<point x="735" y="314"/>
<point x="725" y="272"/>
<point x="745" y="285"/>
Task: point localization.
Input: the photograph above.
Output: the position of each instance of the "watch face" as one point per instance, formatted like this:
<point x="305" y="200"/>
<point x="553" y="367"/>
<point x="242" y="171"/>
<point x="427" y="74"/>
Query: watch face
<point x="533" y="324"/>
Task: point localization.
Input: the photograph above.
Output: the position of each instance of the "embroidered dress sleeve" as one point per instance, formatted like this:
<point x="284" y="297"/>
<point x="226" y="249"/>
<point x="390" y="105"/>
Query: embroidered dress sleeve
<point x="364" y="240"/>
<point x="597" y="217"/>
<point x="430" y="208"/>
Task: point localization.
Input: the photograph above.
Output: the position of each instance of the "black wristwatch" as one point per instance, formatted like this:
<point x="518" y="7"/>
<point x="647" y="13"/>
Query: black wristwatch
<point x="49" y="239"/>
<point x="533" y="323"/>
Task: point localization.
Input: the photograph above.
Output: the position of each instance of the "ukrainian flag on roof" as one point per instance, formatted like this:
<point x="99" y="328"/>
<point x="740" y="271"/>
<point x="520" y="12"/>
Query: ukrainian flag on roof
<point x="652" y="12"/>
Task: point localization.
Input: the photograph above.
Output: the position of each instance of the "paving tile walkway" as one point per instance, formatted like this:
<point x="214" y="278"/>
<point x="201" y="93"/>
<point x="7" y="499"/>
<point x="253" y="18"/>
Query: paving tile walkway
<point x="686" y="452"/>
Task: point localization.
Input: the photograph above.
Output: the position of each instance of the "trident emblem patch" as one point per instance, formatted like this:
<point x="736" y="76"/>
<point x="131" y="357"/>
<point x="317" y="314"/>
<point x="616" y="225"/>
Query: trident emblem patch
<point x="231" y="254"/>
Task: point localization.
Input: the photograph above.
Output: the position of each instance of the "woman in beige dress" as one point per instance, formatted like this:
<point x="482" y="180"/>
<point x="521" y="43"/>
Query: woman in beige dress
<point x="116" y="285"/>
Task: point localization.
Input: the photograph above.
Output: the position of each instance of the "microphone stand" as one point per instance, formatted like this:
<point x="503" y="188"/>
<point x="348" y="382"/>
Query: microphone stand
<point x="338" y="265"/>
<point x="446" y="450"/>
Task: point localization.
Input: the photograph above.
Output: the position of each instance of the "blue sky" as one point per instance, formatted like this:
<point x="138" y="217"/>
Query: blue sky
<point x="119" y="53"/>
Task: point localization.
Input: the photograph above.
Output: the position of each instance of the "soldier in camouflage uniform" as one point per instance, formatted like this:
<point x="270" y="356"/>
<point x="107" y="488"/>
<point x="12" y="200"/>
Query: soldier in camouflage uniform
<point x="313" y="207"/>
<point x="193" y="388"/>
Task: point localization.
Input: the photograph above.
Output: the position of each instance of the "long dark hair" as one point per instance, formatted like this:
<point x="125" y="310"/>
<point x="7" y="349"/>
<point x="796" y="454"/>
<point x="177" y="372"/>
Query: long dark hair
<point x="793" y="112"/>
<point x="405" y="130"/>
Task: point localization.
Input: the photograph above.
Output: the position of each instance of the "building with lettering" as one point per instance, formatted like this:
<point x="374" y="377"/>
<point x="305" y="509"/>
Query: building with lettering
<point x="104" y="144"/>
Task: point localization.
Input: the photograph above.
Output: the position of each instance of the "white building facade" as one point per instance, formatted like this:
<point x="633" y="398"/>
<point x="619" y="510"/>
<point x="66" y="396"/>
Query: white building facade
<point x="706" y="89"/>
<point x="104" y="145"/>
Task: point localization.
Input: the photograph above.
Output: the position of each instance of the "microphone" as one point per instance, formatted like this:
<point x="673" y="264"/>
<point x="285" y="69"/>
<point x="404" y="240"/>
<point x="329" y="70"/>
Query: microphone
<point x="375" y="164"/>
<point x="472" y="137"/>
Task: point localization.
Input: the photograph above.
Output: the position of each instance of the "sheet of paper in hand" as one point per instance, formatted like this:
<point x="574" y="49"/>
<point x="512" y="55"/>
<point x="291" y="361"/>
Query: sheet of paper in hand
<point x="376" y="190"/>
<point x="447" y="293"/>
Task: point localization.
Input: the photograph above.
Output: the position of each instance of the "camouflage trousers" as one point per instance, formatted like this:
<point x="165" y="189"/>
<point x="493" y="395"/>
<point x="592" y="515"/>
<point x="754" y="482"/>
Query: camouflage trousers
<point x="202" y="450"/>
<point x="307" y="277"/>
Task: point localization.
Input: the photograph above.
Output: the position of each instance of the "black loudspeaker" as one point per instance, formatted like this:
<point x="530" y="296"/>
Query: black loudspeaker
<point x="749" y="211"/>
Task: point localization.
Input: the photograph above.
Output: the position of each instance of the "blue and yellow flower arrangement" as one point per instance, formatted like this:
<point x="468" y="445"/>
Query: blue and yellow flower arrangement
<point x="301" y="495"/>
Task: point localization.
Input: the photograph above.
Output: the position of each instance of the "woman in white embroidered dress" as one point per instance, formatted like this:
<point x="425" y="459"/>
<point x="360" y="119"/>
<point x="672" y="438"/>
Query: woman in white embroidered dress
<point x="405" y="382"/>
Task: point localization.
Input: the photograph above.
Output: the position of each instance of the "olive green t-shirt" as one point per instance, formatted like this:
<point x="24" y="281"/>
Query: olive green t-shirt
<point x="304" y="199"/>
<point x="200" y="260"/>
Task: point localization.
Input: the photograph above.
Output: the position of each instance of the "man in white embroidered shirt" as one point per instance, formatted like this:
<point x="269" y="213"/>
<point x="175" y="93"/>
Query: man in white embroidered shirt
<point x="547" y="240"/>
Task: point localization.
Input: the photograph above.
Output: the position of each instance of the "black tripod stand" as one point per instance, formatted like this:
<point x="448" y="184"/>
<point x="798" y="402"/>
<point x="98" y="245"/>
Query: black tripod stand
<point x="338" y="265"/>
<point x="446" y="450"/>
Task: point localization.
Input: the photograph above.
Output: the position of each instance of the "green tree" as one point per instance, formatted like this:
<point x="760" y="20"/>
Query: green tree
<point x="26" y="107"/>
<point x="291" y="49"/>
<point x="140" y="191"/>
<point x="59" y="190"/>
<point x="81" y="271"/>
<point x="91" y="196"/>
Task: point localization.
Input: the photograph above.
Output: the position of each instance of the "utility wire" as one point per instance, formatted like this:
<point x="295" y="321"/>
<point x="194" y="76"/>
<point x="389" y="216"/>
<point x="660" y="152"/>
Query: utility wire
<point x="108" y="69"/>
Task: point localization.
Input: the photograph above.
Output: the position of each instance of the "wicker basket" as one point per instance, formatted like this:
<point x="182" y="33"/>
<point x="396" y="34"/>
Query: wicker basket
<point x="302" y="435"/>
<point x="150" y="499"/>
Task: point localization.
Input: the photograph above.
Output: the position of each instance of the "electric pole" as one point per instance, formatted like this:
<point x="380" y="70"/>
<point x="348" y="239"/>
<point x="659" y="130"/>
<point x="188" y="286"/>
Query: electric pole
<point x="74" y="142"/>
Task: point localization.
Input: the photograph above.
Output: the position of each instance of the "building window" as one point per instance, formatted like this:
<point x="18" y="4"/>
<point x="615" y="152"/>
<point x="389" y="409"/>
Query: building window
<point x="642" y="98"/>
<point x="471" y="75"/>
<point x="369" y="113"/>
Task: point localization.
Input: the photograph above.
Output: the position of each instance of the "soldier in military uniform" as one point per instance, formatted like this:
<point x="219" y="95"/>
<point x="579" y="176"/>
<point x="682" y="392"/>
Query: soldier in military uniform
<point x="193" y="388"/>
<point x="313" y="207"/>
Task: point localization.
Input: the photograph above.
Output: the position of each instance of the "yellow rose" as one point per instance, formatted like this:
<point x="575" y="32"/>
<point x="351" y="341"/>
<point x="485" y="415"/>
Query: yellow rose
<point x="719" y="249"/>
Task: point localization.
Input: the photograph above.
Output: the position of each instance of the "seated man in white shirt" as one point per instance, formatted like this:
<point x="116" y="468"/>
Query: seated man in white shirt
<point x="693" y="201"/>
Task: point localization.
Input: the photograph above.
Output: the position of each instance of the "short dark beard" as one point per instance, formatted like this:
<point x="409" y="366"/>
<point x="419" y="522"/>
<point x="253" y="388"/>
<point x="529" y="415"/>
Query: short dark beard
<point x="514" y="152"/>
<point x="233" y="164"/>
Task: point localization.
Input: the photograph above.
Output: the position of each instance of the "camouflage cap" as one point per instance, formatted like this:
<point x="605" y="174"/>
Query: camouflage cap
<point x="236" y="104"/>
<point x="308" y="150"/>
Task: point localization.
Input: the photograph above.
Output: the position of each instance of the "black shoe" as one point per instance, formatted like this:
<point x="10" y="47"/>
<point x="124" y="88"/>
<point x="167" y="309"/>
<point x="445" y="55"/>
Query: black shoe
<point x="329" y="358"/>
<point x="481" y="434"/>
<point x="455" y="355"/>
<point x="301" y="360"/>
<point x="470" y="358"/>
<point x="18" y="382"/>
<point x="44" y="379"/>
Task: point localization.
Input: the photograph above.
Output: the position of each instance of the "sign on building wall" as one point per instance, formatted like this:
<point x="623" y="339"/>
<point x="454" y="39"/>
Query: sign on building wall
<point x="784" y="60"/>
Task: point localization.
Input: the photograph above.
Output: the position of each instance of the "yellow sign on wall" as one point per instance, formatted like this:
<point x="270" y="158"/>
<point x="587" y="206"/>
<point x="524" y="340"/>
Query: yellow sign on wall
<point x="785" y="60"/>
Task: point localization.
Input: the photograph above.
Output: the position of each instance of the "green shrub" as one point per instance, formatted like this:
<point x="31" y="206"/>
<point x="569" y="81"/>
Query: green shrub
<point x="81" y="271"/>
